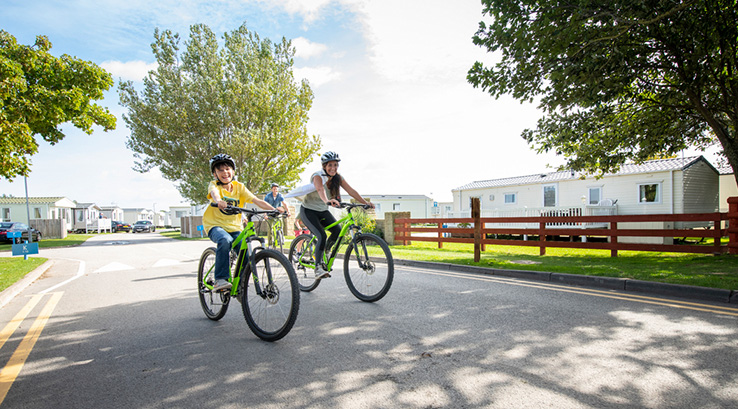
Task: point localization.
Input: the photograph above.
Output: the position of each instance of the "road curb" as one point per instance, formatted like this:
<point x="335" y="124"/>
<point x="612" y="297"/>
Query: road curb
<point x="612" y="283"/>
<point x="15" y="289"/>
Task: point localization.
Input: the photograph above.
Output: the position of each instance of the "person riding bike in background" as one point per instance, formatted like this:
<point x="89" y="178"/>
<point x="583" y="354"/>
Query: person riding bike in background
<point x="275" y="199"/>
<point x="222" y="226"/>
<point x="314" y="211"/>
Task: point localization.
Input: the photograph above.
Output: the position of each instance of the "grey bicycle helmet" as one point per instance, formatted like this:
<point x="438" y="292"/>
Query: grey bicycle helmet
<point x="329" y="157"/>
<point x="221" y="158"/>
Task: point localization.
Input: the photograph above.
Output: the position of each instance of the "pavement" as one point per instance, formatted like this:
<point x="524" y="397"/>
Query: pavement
<point x="610" y="283"/>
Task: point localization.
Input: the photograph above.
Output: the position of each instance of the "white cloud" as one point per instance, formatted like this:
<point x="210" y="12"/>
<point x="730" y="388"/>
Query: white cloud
<point x="130" y="70"/>
<point x="420" y="40"/>
<point x="305" y="48"/>
<point x="317" y="76"/>
<point x="308" y="9"/>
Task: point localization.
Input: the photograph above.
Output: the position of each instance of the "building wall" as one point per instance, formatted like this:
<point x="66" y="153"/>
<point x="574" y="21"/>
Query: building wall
<point x="701" y="187"/>
<point x="728" y="188"/>
<point x="420" y="207"/>
<point x="702" y="182"/>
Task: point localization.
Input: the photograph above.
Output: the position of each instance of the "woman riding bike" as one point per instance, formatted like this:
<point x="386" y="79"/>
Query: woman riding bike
<point x="314" y="211"/>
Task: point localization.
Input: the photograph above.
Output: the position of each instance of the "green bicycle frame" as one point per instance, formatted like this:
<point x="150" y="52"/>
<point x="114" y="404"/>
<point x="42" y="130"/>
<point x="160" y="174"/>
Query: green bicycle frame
<point x="345" y="228"/>
<point x="247" y="236"/>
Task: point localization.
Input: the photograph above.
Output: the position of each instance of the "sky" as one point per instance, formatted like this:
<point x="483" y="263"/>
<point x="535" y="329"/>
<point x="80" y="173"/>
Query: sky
<point x="389" y="82"/>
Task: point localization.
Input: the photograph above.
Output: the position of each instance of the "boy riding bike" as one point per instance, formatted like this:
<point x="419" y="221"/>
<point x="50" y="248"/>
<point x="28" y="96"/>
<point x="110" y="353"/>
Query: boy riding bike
<point x="222" y="226"/>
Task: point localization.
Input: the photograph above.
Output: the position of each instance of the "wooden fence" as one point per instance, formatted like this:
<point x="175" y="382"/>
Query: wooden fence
<point x="556" y="226"/>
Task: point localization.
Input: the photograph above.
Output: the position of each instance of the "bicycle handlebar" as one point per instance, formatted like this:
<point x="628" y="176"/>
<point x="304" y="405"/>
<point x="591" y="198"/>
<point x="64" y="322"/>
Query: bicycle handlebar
<point x="250" y="212"/>
<point x="350" y="206"/>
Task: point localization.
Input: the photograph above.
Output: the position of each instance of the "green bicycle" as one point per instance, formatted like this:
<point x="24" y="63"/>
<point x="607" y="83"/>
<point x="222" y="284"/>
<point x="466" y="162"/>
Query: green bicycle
<point x="368" y="266"/>
<point x="263" y="281"/>
<point x="276" y="227"/>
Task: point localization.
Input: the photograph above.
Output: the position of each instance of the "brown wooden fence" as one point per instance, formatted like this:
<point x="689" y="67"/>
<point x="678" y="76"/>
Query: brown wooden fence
<point x="550" y="227"/>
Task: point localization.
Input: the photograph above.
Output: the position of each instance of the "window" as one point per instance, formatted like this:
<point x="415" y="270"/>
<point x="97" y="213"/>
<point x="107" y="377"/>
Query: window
<point x="550" y="196"/>
<point x="6" y="214"/>
<point x="511" y="198"/>
<point x="595" y="195"/>
<point x="395" y="206"/>
<point x="649" y="193"/>
<point x="36" y="212"/>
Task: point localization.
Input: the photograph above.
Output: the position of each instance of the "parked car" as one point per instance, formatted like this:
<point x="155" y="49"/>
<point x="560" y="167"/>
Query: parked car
<point x="143" y="226"/>
<point x="6" y="227"/>
<point x="119" y="226"/>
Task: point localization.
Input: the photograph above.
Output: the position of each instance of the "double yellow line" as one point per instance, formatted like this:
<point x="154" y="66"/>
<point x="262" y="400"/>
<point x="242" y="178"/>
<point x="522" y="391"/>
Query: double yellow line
<point x="10" y="371"/>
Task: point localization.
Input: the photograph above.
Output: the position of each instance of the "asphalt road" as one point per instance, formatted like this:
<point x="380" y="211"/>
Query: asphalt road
<point x="116" y="323"/>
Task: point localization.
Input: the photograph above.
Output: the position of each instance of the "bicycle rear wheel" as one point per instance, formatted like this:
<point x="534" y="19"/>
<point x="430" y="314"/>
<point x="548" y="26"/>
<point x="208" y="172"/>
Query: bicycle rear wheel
<point x="271" y="313"/>
<point x="368" y="268"/>
<point x="214" y="304"/>
<point x="303" y="248"/>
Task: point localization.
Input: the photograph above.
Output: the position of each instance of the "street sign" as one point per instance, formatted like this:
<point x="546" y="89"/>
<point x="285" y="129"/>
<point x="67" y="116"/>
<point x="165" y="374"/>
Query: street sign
<point x="14" y="234"/>
<point x="24" y="249"/>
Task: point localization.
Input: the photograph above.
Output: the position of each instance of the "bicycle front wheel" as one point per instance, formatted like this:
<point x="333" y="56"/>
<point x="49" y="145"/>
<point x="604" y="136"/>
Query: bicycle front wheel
<point x="271" y="298"/>
<point x="368" y="267"/>
<point x="302" y="251"/>
<point x="214" y="304"/>
<point x="279" y="243"/>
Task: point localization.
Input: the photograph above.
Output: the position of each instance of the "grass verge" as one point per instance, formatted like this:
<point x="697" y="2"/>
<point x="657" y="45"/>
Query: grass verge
<point x="13" y="269"/>
<point x="674" y="268"/>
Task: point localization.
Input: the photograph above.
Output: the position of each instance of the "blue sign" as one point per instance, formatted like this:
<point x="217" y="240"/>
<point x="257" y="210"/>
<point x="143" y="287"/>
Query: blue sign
<point x="13" y="234"/>
<point x="24" y="249"/>
<point x="200" y="228"/>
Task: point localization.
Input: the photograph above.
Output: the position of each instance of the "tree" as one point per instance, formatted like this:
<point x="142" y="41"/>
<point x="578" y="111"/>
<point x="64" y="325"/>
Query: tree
<point x="241" y="100"/>
<point x="39" y="92"/>
<point x="617" y="81"/>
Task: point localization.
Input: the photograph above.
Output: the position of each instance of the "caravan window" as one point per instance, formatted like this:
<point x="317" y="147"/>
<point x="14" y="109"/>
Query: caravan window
<point x="550" y="196"/>
<point x="649" y="193"/>
<point x="6" y="214"/>
<point x="595" y="195"/>
<point x="511" y="198"/>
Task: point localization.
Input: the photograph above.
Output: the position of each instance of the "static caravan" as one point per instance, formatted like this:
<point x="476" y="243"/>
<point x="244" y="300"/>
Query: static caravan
<point x="419" y="206"/>
<point x="664" y="186"/>
<point x="14" y="209"/>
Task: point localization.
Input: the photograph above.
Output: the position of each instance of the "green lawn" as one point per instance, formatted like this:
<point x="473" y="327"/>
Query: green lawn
<point x="675" y="268"/>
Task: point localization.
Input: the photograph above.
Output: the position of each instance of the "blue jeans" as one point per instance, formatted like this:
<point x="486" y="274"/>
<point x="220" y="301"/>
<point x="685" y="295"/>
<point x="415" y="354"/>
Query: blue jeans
<point x="224" y="240"/>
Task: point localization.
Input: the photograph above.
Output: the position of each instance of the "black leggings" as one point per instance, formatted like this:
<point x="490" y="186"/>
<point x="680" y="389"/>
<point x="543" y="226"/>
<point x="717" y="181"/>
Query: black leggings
<point x="316" y="222"/>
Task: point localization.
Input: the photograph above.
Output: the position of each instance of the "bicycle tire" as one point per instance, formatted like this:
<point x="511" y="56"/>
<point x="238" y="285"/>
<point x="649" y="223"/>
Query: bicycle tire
<point x="301" y="249"/>
<point x="214" y="304"/>
<point x="372" y="282"/>
<point x="280" y="242"/>
<point x="270" y="317"/>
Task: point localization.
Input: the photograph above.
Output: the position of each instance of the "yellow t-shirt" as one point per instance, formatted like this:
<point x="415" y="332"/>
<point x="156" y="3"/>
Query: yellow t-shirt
<point x="238" y="197"/>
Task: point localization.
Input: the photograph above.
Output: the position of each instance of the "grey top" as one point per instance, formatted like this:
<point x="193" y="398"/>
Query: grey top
<point x="312" y="200"/>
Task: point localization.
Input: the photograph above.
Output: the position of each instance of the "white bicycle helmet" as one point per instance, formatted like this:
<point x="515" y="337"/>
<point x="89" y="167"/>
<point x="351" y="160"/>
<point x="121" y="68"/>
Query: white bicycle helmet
<point x="221" y="158"/>
<point x="329" y="157"/>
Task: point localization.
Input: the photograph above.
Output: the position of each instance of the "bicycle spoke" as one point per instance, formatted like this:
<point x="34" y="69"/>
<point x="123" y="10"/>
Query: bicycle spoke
<point x="214" y="304"/>
<point x="368" y="268"/>
<point x="271" y="313"/>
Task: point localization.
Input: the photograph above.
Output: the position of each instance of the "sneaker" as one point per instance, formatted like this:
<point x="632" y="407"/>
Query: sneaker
<point x="322" y="272"/>
<point x="222" y="285"/>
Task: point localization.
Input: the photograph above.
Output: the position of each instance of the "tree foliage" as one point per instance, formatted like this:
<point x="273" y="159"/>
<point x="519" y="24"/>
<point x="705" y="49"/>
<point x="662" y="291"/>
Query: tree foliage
<point x="617" y="81"/>
<point x="240" y="99"/>
<point x="39" y="92"/>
